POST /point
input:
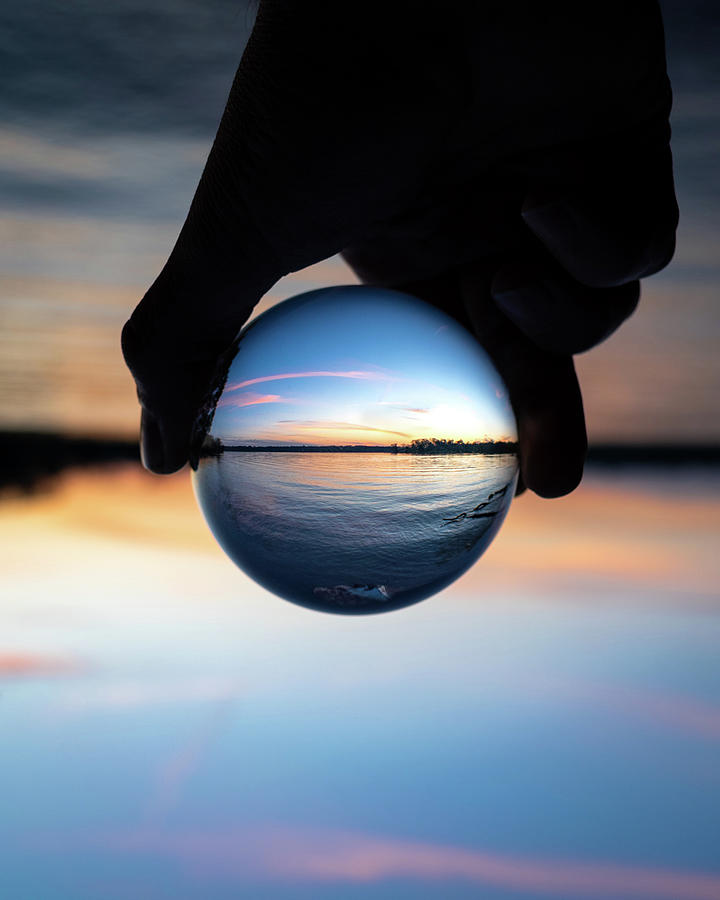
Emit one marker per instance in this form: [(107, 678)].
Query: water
[(547, 728), (355, 532)]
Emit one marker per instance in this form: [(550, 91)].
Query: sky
[(546, 728), (360, 366), (103, 138)]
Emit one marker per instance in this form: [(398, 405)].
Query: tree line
[(445, 445), (213, 446)]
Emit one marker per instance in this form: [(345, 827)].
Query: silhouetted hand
[(508, 162)]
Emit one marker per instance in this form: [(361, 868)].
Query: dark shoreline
[(30, 460), (214, 447), (359, 448)]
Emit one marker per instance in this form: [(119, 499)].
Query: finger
[(543, 389), (617, 222), (558, 313), (285, 185), (172, 343), (543, 386)]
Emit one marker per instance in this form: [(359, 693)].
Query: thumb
[(617, 223), (173, 340), (290, 180)]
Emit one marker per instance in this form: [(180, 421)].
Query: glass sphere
[(357, 452)]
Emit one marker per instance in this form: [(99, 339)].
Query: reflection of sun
[(451, 421)]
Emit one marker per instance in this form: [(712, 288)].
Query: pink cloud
[(359, 375), (249, 398), (337, 426), (315, 855), (675, 711), (179, 767), (399, 406), (18, 664)]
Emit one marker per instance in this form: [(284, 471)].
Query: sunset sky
[(97, 175), (361, 372)]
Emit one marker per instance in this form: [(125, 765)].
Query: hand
[(509, 163)]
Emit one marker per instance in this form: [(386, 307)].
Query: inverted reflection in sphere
[(357, 452)]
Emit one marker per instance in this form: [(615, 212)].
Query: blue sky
[(360, 366)]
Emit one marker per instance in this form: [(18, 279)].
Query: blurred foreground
[(547, 727)]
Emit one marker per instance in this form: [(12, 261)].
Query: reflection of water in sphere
[(357, 452)]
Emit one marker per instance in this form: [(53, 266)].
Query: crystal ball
[(357, 451)]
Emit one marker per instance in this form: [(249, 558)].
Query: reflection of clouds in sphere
[(358, 452)]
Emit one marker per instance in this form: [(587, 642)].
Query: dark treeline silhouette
[(213, 446), (442, 445), (29, 461)]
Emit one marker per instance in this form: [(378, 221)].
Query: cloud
[(320, 856), (684, 714), (27, 153), (401, 408), (179, 767), (358, 375), (249, 398), (139, 693), (337, 426), (19, 664)]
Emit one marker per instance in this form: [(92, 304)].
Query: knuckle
[(130, 344), (136, 341)]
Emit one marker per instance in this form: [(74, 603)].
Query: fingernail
[(152, 451), (540, 204), (524, 305), (542, 318), (554, 223), (547, 214)]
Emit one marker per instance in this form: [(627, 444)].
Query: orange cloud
[(322, 425), (249, 398), (359, 375), (16, 664), (316, 855)]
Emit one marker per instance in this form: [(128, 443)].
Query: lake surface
[(355, 532), (547, 728)]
